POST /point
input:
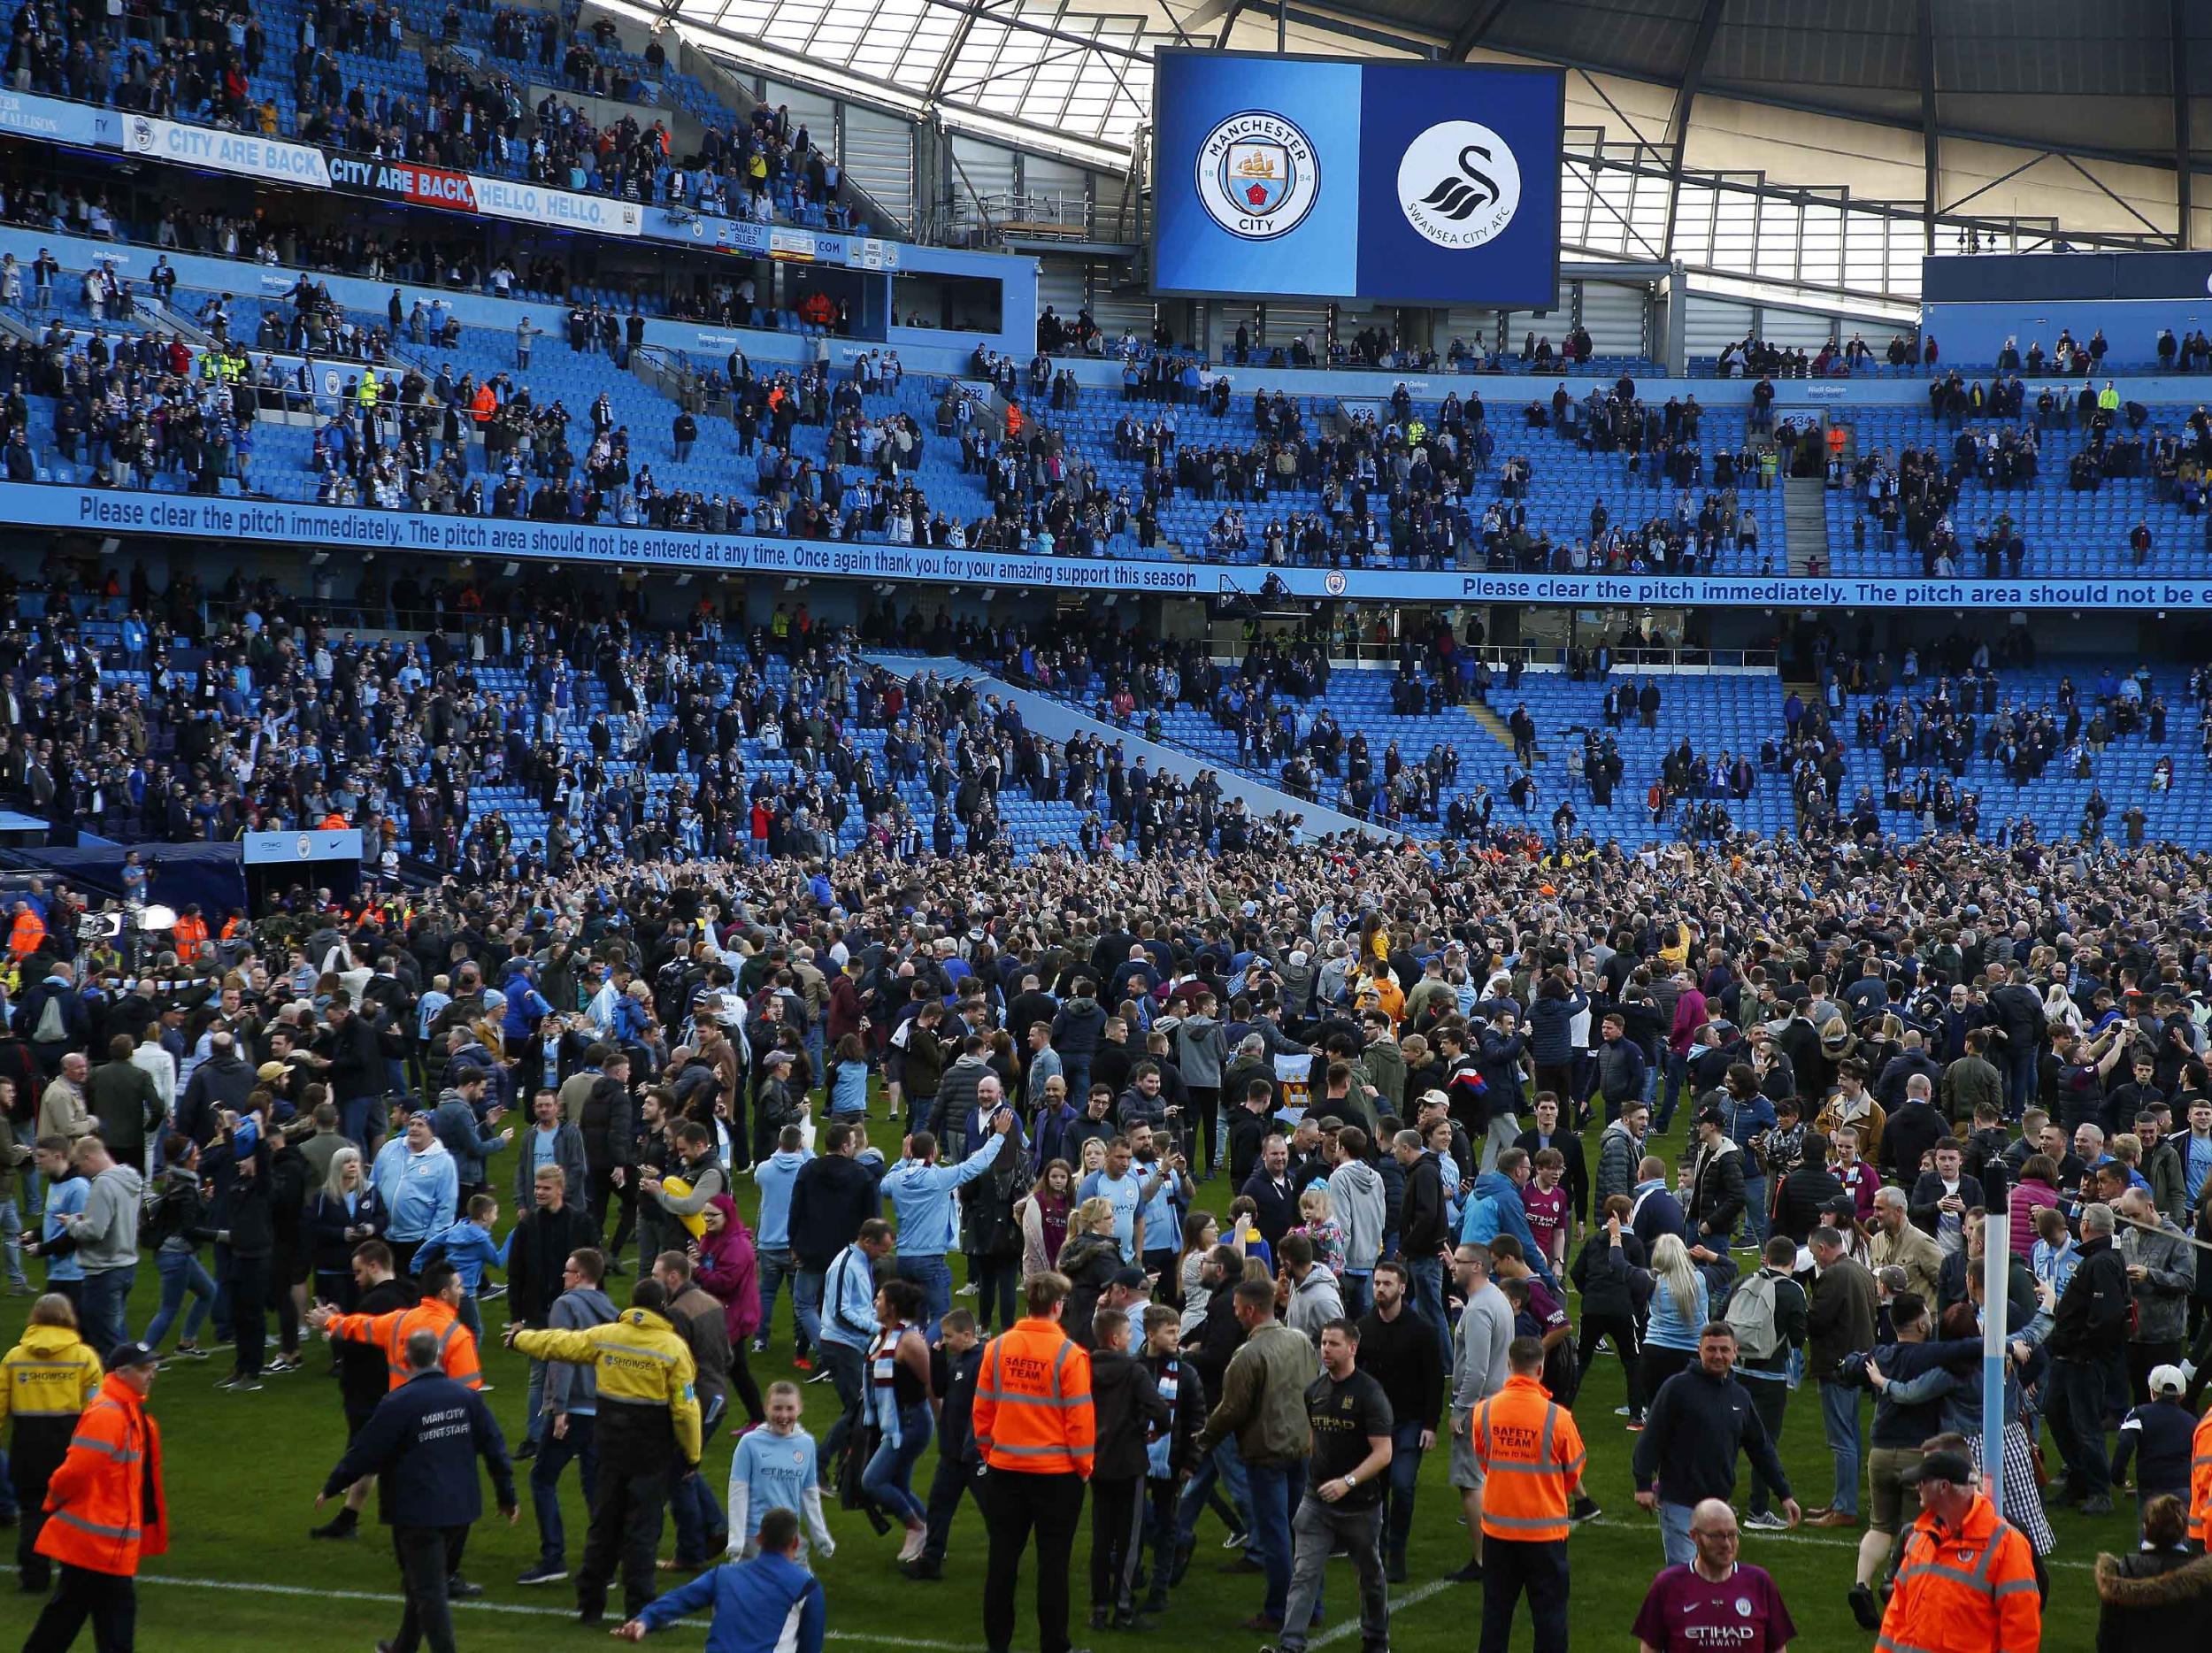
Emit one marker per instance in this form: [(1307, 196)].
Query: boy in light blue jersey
[(469, 1246), (776, 1467)]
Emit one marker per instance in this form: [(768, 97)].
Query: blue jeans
[(1220, 1467), (1428, 1299), (890, 1472), (1358, 1292), (1276, 1490), (776, 1265), (1405, 1472), (180, 1272), (1755, 1208), (1845, 1425), (1674, 1533), (1677, 1076), (806, 1306), (1077, 1071), (933, 1275), (10, 1225), (101, 1304), (697, 1512), (358, 1118), (533, 1425), (581, 1442)]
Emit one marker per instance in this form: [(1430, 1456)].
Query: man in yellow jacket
[(649, 1436), (46, 1381)]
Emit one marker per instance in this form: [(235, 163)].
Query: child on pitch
[(1167, 1448), (952, 1365), (776, 1467), (469, 1246)]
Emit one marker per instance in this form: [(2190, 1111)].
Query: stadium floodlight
[(511, 570), (320, 559), (156, 917), (990, 593)]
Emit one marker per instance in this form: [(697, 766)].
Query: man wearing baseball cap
[(105, 1512), (2157, 1435), (1964, 1568)]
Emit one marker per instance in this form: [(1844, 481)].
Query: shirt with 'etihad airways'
[(1686, 1612)]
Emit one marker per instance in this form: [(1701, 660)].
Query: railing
[(1227, 647), (994, 218), (671, 372)]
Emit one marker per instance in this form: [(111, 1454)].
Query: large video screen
[(1316, 178)]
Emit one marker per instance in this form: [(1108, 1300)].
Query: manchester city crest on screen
[(1257, 175)]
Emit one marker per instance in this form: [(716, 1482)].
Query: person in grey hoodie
[(105, 1235), (1357, 1194), (1314, 1299), (1201, 1047), (572, 1414), (1300, 974)]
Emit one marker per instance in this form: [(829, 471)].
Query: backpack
[(53, 1026), (1750, 1314)]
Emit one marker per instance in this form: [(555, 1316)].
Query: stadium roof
[(2115, 78), (2129, 79)]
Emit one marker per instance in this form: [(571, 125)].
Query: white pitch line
[(1345, 1628), (516, 1609)]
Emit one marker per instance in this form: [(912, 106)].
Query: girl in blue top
[(1680, 1304), (849, 1078)]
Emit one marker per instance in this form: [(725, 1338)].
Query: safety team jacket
[(104, 1507), (457, 1344), (2201, 1481), (1969, 1591), (46, 1381), (1033, 1401), (1531, 1453), (644, 1370)]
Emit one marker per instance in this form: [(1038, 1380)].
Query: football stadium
[(1034, 825)]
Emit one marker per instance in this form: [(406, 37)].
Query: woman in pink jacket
[(728, 1270), (2037, 1187)]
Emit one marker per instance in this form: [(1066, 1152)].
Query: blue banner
[(24, 115), (107, 510), (1404, 183)]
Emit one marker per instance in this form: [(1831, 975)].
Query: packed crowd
[(1387, 1052), (211, 64)]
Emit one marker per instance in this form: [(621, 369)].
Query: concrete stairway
[(1805, 523)]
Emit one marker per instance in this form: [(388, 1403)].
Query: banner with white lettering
[(61, 506), (404, 181), (244, 152), (51, 118)]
